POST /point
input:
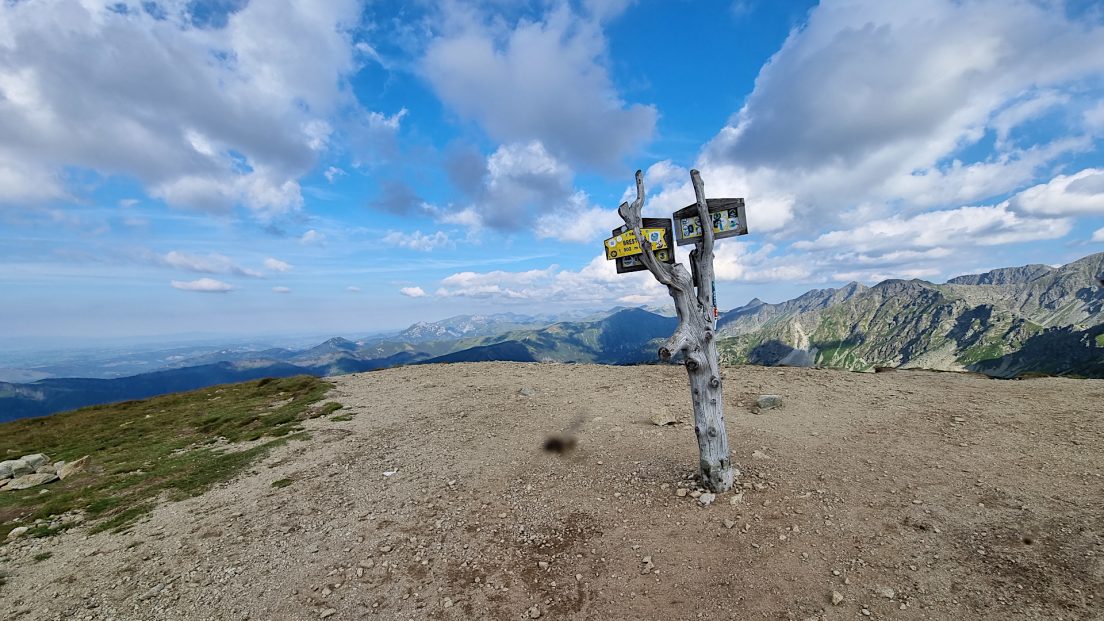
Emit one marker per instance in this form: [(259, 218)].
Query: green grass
[(176, 445), (282, 483), (1100, 340), (344, 418), (41, 556), (329, 408)]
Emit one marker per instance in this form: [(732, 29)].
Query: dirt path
[(912, 495)]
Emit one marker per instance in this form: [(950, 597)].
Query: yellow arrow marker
[(625, 244)]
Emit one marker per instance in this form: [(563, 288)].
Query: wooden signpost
[(694, 295)]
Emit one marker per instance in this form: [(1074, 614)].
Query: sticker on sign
[(625, 244)]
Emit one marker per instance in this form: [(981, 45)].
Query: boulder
[(47, 468), (73, 467), (6, 468), (769, 402), (20, 467), (36, 460), (30, 480)]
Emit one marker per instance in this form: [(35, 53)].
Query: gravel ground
[(903, 495)]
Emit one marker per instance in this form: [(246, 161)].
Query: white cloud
[(1098, 236), (312, 237), (596, 283), (579, 221), (277, 265), (213, 263), (418, 240), (413, 292), (205, 115), (352, 289), (542, 80), (867, 109), (203, 285), (964, 226), (1081, 193), (333, 172), (517, 184), (281, 290)]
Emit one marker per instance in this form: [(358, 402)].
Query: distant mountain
[(627, 336), (997, 322), (55, 395)]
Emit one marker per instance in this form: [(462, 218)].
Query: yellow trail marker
[(625, 244)]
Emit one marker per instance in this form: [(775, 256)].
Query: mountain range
[(1008, 322)]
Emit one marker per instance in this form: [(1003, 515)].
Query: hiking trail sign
[(694, 294)]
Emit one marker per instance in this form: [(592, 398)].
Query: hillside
[(979, 322), (912, 495)]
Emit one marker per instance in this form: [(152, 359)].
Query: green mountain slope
[(967, 324)]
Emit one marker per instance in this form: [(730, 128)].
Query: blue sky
[(238, 168)]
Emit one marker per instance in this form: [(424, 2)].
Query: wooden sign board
[(624, 243), (660, 246), (728, 218)]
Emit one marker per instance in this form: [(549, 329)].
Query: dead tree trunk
[(694, 337)]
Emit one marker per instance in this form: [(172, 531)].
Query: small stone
[(959, 419), (447, 603), (578, 577), (759, 455), (542, 564), (151, 593), (327, 613), (865, 612), (886, 592), (696, 493), (681, 492), (736, 498), (385, 549), (18, 531), (707, 499), (534, 612), (769, 402), (729, 524), (663, 418), (525, 391), (837, 598)]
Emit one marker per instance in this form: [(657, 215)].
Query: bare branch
[(704, 259)]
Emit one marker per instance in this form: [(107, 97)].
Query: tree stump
[(694, 337)]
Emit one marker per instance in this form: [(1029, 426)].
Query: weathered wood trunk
[(694, 337)]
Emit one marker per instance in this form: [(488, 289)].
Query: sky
[(236, 167)]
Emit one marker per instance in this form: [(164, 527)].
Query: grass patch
[(343, 418), (41, 556), (174, 444), (282, 483), (329, 408)]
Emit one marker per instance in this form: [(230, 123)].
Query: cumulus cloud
[(418, 240), (542, 80), (519, 186), (869, 108), (203, 285), (1081, 193), (1098, 236), (579, 221), (984, 225), (277, 265), (352, 289), (213, 263), (596, 283), (281, 290), (205, 114), (413, 292)]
